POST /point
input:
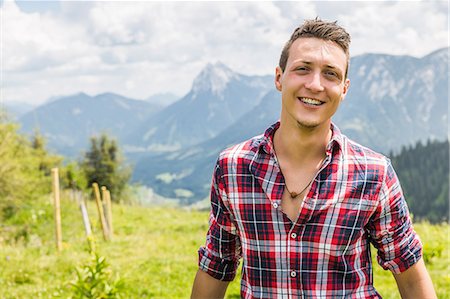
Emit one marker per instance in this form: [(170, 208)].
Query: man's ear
[(278, 75), (345, 89)]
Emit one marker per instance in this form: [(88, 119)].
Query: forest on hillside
[(423, 170)]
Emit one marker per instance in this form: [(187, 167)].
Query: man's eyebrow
[(301, 62), (308, 62), (330, 66), (335, 68)]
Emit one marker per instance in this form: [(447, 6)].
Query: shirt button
[(275, 205), (293, 235), (293, 274)]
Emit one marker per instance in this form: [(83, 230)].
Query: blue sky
[(138, 49)]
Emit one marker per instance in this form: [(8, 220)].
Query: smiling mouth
[(312, 102)]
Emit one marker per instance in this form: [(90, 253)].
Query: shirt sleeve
[(391, 230), (222, 251)]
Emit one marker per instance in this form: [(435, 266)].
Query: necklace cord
[(295, 194)]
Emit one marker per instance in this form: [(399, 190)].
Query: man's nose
[(315, 82)]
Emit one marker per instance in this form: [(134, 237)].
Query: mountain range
[(68, 122), (218, 98), (393, 101)]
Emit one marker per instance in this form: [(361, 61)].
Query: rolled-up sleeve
[(222, 251), (391, 230)]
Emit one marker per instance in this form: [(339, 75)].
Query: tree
[(23, 174), (103, 164), (45, 160), (424, 174), (73, 177)]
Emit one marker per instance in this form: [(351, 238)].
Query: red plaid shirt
[(355, 199)]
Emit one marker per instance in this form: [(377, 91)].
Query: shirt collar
[(337, 139), (266, 144)]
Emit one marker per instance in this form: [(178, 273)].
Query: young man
[(301, 203)]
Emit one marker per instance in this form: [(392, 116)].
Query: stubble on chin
[(305, 125)]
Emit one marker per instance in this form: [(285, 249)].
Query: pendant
[(294, 194)]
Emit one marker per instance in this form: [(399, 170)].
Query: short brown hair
[(318, 28)]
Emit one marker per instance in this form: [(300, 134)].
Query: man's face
[(313, 83)]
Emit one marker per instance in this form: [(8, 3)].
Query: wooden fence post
[(57, 208), (109, 212), (86, 222), (100, 211), (105, 205)]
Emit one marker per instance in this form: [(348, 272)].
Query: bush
[(24, 169)]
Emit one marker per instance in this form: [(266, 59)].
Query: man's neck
[(299, 145)]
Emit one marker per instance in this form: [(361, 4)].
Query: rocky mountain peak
[(439, 57), (213, 78)]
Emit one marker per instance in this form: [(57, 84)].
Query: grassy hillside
[(154, 252)]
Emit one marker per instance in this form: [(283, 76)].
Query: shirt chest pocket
[(342, 225)]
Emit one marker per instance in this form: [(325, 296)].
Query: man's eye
[(302, 68), (331, 74)]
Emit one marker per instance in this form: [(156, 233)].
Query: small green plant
[(95, 281)]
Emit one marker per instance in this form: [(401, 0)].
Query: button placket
[(292, 239)]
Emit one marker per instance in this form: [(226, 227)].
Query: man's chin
[(307, 125)]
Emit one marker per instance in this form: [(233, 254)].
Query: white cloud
[(141, 48), (32, 41), (402, 27), (116, 23)]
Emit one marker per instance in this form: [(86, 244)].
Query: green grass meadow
[(153, 253)]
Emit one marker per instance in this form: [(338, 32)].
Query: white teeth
[(310, 101)]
